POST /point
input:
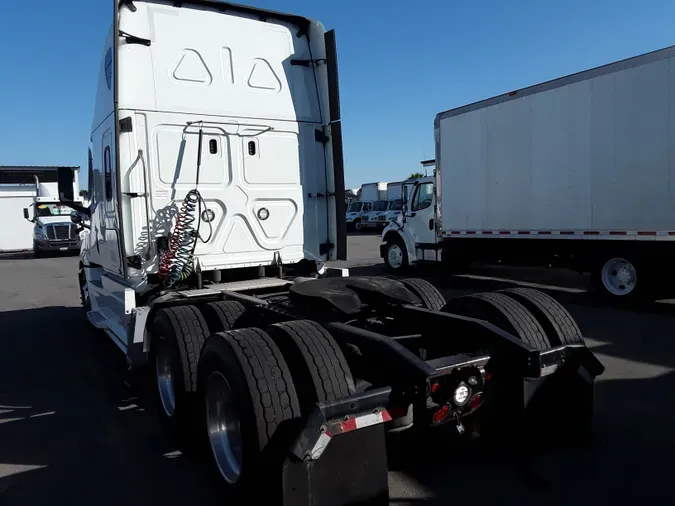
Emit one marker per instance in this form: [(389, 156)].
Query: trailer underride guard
[(286, 372)]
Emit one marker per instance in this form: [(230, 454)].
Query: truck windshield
[(396, 205), (355, 207), (43, 210), (380, 205)]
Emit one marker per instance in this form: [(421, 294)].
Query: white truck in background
[(577, 172), (31, 191), (374, 197)]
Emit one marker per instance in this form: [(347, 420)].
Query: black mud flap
[(553, 409), (340, 458), (559, 403)]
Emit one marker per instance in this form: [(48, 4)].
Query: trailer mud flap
[(340, 456)]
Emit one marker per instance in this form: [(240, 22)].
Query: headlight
[(461, 395), (39, 233)]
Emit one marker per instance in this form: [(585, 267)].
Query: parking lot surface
[(71, 432)]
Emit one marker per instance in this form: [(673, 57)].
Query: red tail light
[(440, 415), (476, 401)]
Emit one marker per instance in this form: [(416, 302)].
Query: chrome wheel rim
[(222, 424), (164, 372), (395, 256), (619, 276)]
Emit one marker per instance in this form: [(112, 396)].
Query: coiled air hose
[(177, 264)]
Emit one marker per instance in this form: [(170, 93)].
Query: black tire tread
[(430, 296), (503, 312), (190, 331), (221, 316), (321, 356), (268, 378), (524, 323), (562, 329)]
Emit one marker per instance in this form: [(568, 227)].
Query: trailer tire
[(430, 296), (223, 315), (503, 312), (560, 327), (249, 396), (177, 338), (318, 366)]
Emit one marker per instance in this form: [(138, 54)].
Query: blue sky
[(399, 66)]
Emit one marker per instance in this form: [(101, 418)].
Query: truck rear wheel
[(222, 315), (430, 296), (618, 278), (248, 393), (503, 312), (178, 336), (560, 327), (318, 366)]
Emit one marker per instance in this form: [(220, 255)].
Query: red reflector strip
[(616, 232), (470, 232), (591, 232), (454, 232), (567, 232), (487, 232), (544, 232), (642, 232), (671, 233), (363, 421), (523, 232), (504, 232)]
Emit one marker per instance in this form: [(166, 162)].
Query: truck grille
[(59, 232), (381, 218)]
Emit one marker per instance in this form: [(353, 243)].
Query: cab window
[(367, 206), (424, 196)]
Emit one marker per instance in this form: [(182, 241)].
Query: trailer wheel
[(222, 315), (248, 394), (560, 327), (177, 338), (503, 312), (318, 366), (430, 296), (396, 255)]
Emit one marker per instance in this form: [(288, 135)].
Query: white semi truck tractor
[(217, 198)]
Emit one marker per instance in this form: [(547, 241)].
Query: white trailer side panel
[(16, 233), (597, 154)]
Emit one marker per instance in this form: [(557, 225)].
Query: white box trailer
[(16, 234), (371, 192), (394, 190), (577, 171)]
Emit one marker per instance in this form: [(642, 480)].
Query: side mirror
[(25, 214), (76, 218)]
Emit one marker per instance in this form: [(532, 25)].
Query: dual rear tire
[(236, 393)]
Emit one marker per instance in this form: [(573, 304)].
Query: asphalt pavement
[(72, 432)]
